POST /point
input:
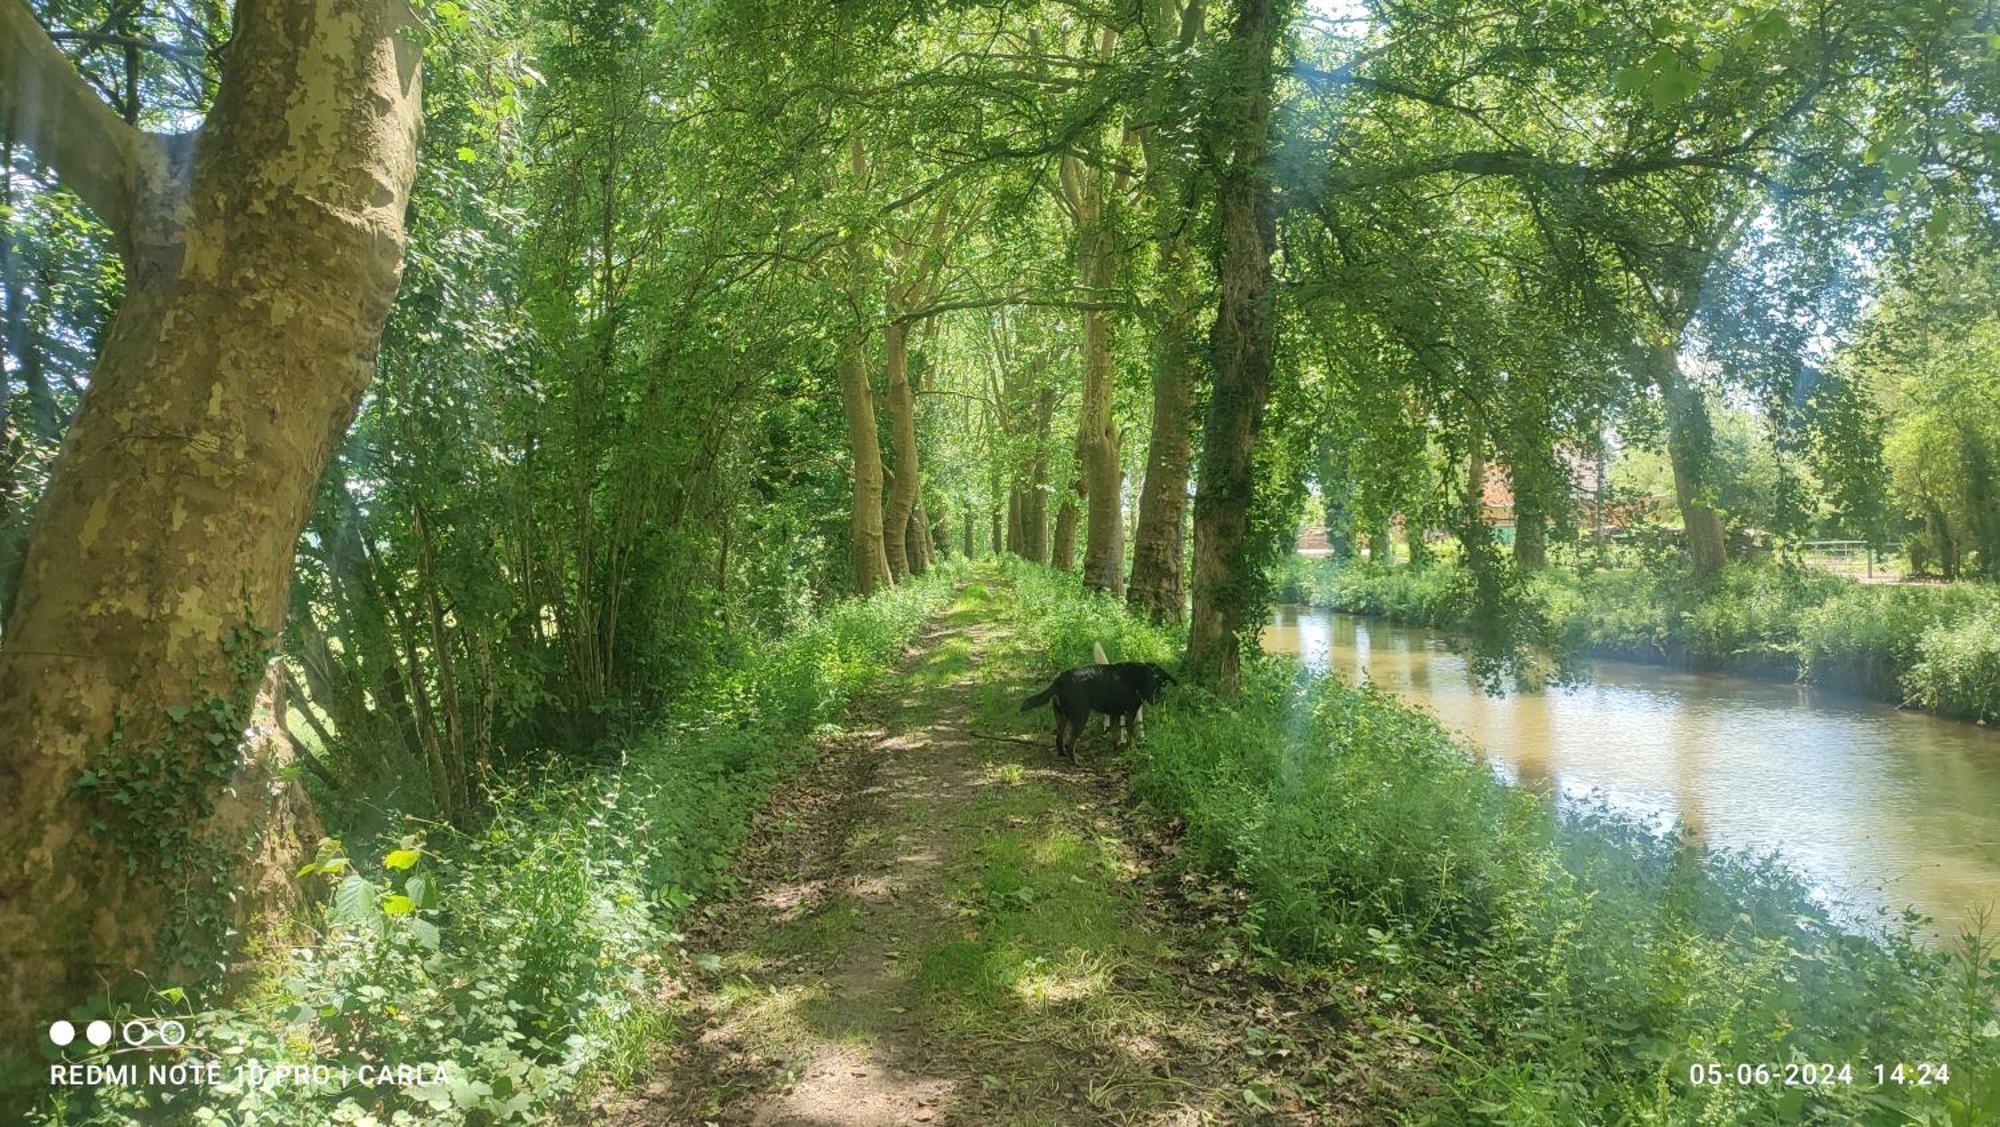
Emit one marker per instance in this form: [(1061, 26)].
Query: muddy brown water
[(1874, 806)]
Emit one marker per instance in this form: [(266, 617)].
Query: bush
[(1561, 968), (1929, 646), (517, 956), (1959, 672)]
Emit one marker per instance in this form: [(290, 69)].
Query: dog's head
[(1153, 680)]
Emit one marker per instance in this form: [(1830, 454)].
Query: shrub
[(516, 956), (1928, 646), (1564, 968), (1959, 671)]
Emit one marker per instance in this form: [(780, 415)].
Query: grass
[(1550, 970), (1936, 648), (1345, 867), (526, 954), (1001, 928)]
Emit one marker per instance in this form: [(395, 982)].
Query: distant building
[(1313, 541)]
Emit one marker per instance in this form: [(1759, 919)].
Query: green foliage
[(1959, 670), (1931, 646), (153, 799), (514, 954), (1552, 968)]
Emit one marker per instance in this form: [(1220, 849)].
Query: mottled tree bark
[(1159, 542), (1242, 344), (1159, 545), (868, 548), (1062, 545), (1097, 429), (857, 400), (262, 254), (1689, 440)]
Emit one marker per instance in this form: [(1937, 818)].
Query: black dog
[(1117, 691)]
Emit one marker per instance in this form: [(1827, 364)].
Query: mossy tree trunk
[(1242, 343), (1689, 444), (262, 252)]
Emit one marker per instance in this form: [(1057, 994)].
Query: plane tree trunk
[(868, 548), (262, 253), (1242, 343), (1689, 442), (857, 400), (1159, 543)]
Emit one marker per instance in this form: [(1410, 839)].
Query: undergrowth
[(1545, 969), (1937, 648), (500, 967)]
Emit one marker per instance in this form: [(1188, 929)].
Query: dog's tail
[(1097, 653), (1039, 699)]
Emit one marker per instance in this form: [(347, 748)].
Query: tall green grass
[(518, 957), (1536, 968), (1933, 647)]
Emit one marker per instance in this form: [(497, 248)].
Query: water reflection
[(1877, 805)]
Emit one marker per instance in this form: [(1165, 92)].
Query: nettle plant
[(364, 904)]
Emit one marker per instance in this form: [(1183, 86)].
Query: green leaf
[(466, 155), (421, 889), (425, 931), (397, 904), (354, 904), (402, 859)]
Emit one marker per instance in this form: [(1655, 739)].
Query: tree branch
[(94, 153)]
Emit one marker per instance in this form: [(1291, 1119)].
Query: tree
[(1243, 341), (262, 252), (1159, 544)]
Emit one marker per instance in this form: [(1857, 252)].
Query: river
[(1875, 806)]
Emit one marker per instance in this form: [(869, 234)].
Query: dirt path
[(937, 927)]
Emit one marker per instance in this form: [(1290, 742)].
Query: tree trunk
[(1688, 445), (902, 405), (262, 254), (1418, 548), (1097, 439), (1531, 532), (1062, 547), (870, 547), (1242, 344), (1159, 546), (917, 536), (867, 545), (1474, 514)]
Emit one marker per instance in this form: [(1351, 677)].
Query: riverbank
[(1305, 904), (1935, 648), (1544, 970)]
